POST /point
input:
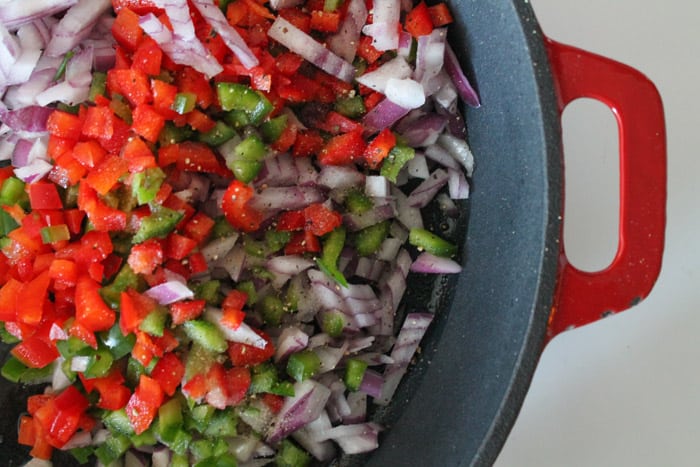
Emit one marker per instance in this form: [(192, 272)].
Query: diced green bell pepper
[(12, 192), (303, 365), (117, 343), (98, 85), (217, 135), (333, 244), (272, 129), (145, 184), (154, 322), (290, 455), (54, 233), (352, 107), (158, 224), (369, 239), (272, 309), (425, 240), (222, 425), (169, 420), (397, 158), (118, 422), (184, 102), (235, 96), (206, 334), (354, 372), (246, 160), (333, 322)]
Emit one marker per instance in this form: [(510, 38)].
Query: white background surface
[(625, 391)]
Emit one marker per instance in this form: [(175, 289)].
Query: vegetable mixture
[(209, 212)]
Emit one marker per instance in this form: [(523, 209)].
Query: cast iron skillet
[(457, 404)]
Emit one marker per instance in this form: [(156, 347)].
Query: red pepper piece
[(144, 403), (342, 149), (168, 372), (236, 209)]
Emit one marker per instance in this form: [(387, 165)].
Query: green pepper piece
[(352, 107), (126, 278), (217, 135), (169, 420), (283, 388), (272, 309), (369, 239), (272, 129), (171, 134), (290, 455), (206, 334), (333, 322), (154, 322), (303, 365), (6, 337), (98, 85), (397, 158), (199, 417), (69, 348), (249, 288), (263, 378), (159, 224), (222, 425), (333, 245), (222, 228), (82, 455), (354, 372), (112, 449), (117, 343), (145, 184), (12, 192), (184, 102), (118, 422), (428, 241), (237, 118), (357, 202), (235, 96), (246, 160), (276, 240), (199, 360), (61, 70), (180, 460), (54, 233), (121, 108), (13, 370), (7, 223), (209, 291), (147, 438), (134, 370), (100, 362)]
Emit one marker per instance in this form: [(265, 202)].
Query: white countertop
[(625, 391)]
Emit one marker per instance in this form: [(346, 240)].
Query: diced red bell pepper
[(43, 195), (144, 403), (132, 84), (66, 171), (308, 143), (120, 135), (287, 138), (168, 372), (140, 7), (144, 349), (289, 221), (147, 122), (99, 122), (196, 387), (147, 57), (325, 21), (367, 51), (297, 17), (60, 417), (134, 308), (379, 148), (186, 310), (199, 227), (64, 125), (103, 218), (90, 309), (26, 433), (440, 14), (273, 401), (418, 21), (197, 263), (191, 156), (190, 80), (64, 272), (31, 299), (235, 299), (178, 246), (107, 174), (89, 153), (320, 220), (139, 156), (237, 381), (200, 121), (163, 98), (302, 242), (126, 29), (35, 352), (343, 149), (247, 355), (336, 123), (236, 209), (146, 256), (232, 317), (113, 394), (8, 299)]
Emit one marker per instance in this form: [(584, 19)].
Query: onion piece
[(457, 184), (75, 25), (213, 15), (384, 28), (406, 92), (292, 339), (289, 264), (429, 263), (396, 68), (15, 13), (459, 149), (430, 55), (344, 42), (169, 292), (243, 334), (301, 43), (410, 335), (464, 87), (306, 405), (30, 119), (428, 188), (383, 115)]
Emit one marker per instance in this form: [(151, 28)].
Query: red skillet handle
[(583, 297)]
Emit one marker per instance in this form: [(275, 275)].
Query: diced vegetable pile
[(209, 213)]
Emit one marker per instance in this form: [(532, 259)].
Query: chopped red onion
[(219, 247), (161, 457), (340, 177), (280, 4), (447, 205), (384, 209), (459, 149), (273, 199), (457, 184), (377, 186), (312, 438), (454, 70), (307, 172), (356, 439), (31, 119), (15, 13), (330, 356), (289, 264), (234, 262), (301, 43), (405, 92), (75, 25), (441, 156), (79, 364), (410, 335), (33, 172), (20, 156), (429, 263), (59, 380), (24, 95), (396, 68), (424, 130), (408, 215), (430, 56), (306, 405), (344, 42), (215, 17), (10, 50), (428, 188), (384, 29), (418, 166), (383, 115), (170, 292), (372, 383), (133, 458), (292, 339)]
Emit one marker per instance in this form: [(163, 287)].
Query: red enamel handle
[(583, 297)]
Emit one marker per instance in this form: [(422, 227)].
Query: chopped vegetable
[(209, 217)]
